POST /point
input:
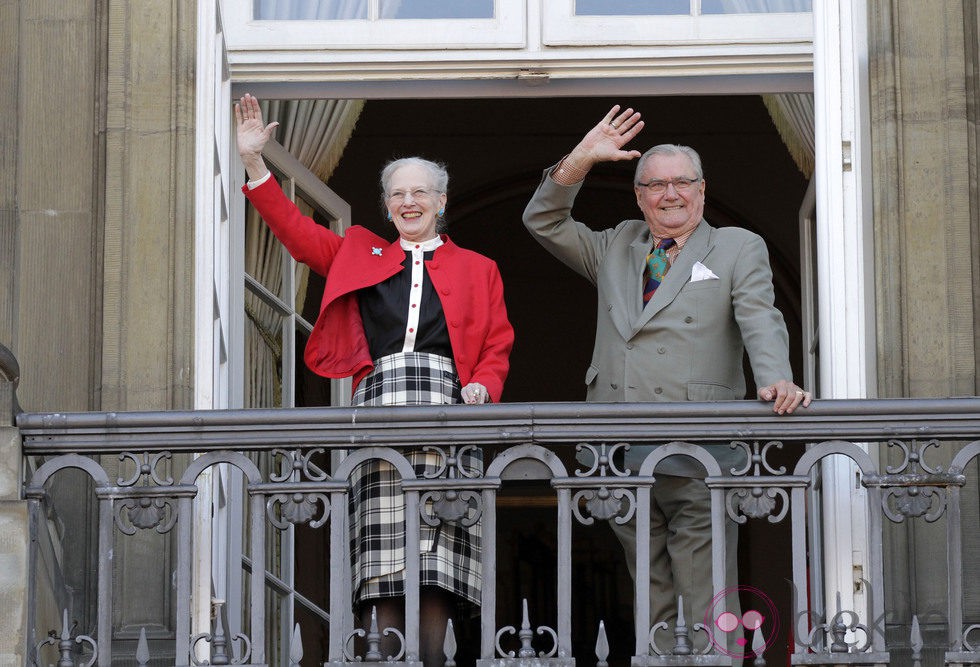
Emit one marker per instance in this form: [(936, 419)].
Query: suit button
[(658, 390), (688, 319), (614, 386), (446, 291), (661, 350)]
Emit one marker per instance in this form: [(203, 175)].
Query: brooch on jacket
[(376, 251)]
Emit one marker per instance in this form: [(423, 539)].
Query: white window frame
[(212, 312), (507, 29), (282, 59), (845, 277), (764, 30)]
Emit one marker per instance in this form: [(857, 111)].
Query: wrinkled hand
[(785, 396), (605, 141), (252, 133), (474, 393)]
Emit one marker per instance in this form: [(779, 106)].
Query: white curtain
[(792, 114), (754, 6), (316, 133), (389, 8), (310, 9)]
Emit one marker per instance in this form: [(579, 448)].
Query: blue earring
[(442, 212), (389, 216)]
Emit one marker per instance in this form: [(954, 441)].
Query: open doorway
[(495, 151)]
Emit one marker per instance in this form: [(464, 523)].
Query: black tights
[(436, 607)]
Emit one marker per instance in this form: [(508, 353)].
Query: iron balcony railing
[(311, 452)]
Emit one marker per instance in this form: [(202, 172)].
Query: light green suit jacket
[(686, 344)]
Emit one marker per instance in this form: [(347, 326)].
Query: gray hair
[(437, 175), (670, 149), (437, 172)]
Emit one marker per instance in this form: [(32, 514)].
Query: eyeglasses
[(418, 194), (658, 187)]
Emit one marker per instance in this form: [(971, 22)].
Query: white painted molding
[(844, 274)]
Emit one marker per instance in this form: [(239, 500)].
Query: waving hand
[(252, 135)]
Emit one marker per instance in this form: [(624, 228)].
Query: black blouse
[(387, 306)]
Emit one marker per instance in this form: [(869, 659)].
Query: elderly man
[(678, 301)]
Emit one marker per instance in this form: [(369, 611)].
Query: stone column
[(148, 289), (14, 535), (147, 345), (924, 225), (923, 79)]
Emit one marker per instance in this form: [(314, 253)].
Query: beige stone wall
[(96, 247), (147, 316), (971, 24), (925, 222), (56, 229), (923, 66), (14, 535), (9, 38), (13, 569), (96, 201)]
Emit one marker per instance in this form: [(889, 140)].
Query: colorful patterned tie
[(655, 269)]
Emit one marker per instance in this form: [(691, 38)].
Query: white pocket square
[(701, 272)]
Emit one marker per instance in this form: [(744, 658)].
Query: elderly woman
[(417, 321)]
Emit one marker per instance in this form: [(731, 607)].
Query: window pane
[(336, 10), (631, 7), (753, 6), (437, 9), (310, 10)]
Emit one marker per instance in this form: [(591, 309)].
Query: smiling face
[(413, 203), (671, 213)]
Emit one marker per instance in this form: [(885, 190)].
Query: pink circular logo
[(732, 634)]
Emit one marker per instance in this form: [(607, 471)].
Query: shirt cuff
[(565, 174), (259, 181)]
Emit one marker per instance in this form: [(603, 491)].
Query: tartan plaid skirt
[(450, 553)]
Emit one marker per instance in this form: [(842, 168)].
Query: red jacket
[(467, 283)]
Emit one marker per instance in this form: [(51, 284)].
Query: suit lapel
[(696, 249)]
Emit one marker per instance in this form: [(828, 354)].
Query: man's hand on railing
[(785, 396)]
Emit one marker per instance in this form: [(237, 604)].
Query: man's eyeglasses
[(419, 194), (658, 187)]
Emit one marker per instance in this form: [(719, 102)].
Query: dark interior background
[(495, 151)]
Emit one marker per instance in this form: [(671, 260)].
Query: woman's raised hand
[(252, 135)]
